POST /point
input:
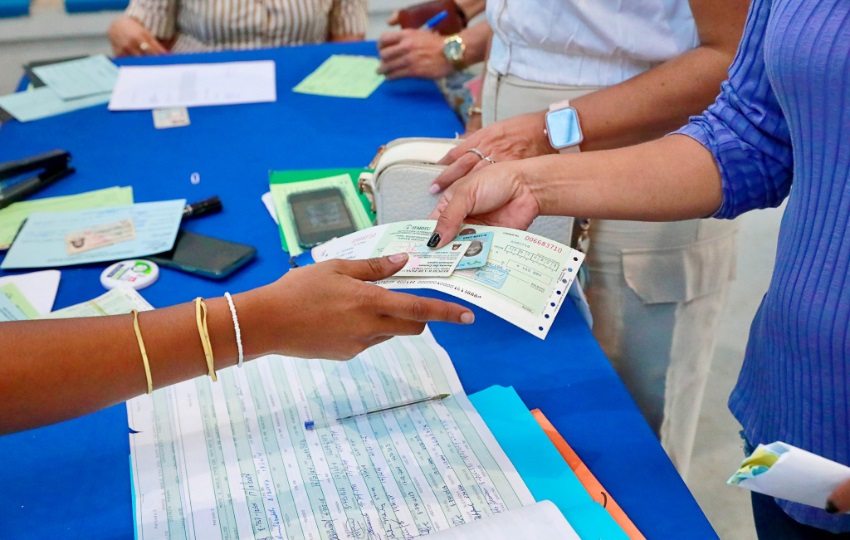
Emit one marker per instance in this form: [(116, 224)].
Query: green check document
[(233, 459), (343, 75), (524, 280)]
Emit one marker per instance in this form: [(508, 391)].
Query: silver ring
[(477, 152), (489, 159), (144, 46)]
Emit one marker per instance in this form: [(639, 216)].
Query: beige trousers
[(656, 291)]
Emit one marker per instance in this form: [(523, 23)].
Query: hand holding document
[(787, 472), (524, 279)]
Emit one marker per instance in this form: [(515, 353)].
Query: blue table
[(72, 480)]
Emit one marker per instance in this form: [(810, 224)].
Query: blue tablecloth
[(72, 480)]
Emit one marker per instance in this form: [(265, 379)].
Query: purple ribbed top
[(783, 117)]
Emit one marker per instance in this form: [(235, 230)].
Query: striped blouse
[(205, 25)]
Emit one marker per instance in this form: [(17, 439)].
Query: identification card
[(100, 236), (427, 262), (170, 118), (475, 255)]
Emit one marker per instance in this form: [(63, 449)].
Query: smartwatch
[(563, 128), (453, 49)]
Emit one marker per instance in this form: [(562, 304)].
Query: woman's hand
[(839, 501), (130, 38), (496, 195), (519, 137), (413, 53), (327, 310)]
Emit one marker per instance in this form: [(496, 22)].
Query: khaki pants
[(656, 291)]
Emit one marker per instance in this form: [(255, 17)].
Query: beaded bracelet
[(236, 328)]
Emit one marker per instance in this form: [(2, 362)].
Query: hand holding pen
[(414, 52)]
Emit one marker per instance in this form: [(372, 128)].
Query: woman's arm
[(52, 370), (640, 109)]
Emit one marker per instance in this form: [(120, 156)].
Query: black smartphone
[(205, 256), (319, 216)]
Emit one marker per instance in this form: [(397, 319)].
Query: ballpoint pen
[(313, 424), (434, 21), (201, 208)]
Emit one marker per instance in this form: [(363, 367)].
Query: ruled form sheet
[(233, 459)]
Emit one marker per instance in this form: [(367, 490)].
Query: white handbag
[(403, 172)]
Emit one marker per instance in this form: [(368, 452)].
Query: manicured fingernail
[(434, 189), (467, 318), (434, 240), (398, 257), (831, 508)]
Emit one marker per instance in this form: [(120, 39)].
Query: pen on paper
[(434, 21), (313, 424)]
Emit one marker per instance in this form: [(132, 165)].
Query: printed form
[(233, 459), (524, 281)]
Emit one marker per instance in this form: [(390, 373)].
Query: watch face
[(453, 50), (563, 128)]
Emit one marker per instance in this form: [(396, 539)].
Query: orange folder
[(590, 483)]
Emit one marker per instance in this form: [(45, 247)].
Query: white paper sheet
[(540, 520), (39, 287), (193, 85), (118, 301), (787, 472), (233, 460)]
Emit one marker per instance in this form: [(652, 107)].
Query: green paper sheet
[(13, 216), (343, 75), (14, 294)]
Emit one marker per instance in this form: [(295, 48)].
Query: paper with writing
[(524, 281), (42, 241), (39, 288), (79, 78), (193, 85), (9, 311), (43, 102), (427, 262), (99, 236), (117, 301), (234, 460), (13, 216), (19, 299), (343, 75)]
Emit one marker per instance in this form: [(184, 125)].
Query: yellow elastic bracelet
[(142, 349), (201, 316)]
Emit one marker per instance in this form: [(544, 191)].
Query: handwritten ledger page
[(233, 460)]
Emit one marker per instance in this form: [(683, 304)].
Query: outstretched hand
[(328, 310), (519, 137), (496, 195)]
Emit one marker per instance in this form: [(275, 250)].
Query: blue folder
[(538, 462)]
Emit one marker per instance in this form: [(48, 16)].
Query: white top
[(587, 42)]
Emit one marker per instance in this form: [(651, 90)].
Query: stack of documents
[(28, 296), (51, 239), (519, 276), (234, 459), (71, 85)]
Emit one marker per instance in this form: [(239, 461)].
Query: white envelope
[(787, 472)]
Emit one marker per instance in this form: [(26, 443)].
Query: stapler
[(53, 166)]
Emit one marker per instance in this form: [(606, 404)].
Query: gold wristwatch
[(453, 49)]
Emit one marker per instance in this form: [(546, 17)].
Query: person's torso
[(243, 24), (795, 384), (587, 43)]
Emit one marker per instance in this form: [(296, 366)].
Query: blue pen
[(435, 20)]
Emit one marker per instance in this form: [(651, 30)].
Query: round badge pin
[(135, 273)]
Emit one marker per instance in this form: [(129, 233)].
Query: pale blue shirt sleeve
[(746, 130)]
